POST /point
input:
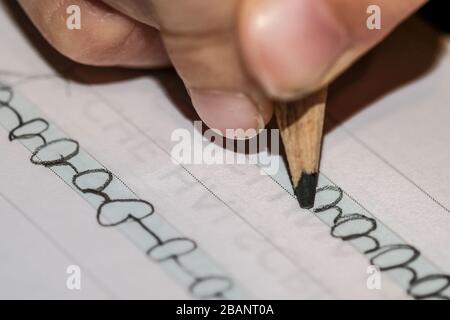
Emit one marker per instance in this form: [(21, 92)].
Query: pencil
[(301, 128)]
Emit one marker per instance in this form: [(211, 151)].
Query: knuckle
[(97, 42)]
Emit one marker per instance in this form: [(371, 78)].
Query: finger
[(106, 37), (201, 40), (294, 47)]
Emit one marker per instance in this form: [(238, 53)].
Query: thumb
[(294, 47)]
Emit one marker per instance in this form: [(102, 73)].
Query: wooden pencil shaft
[(301, 125)]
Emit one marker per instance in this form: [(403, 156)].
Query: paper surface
[(218, 231)]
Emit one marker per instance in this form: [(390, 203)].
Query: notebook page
[(248, 237)]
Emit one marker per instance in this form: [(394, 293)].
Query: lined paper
[(387, 160)]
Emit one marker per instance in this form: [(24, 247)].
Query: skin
[(234, 56)]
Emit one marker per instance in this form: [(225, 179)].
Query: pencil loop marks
[(65, 157), (363, 231)]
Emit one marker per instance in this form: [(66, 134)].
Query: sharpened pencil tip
[(305, 191)]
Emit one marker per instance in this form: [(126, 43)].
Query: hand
[(234, 56)]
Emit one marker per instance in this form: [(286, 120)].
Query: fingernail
[(289, 45), (226, 112)]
